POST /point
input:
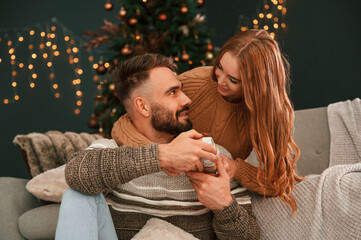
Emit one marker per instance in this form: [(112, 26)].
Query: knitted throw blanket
[(329, 205)]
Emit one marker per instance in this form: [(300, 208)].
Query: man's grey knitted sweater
[(136, 190)]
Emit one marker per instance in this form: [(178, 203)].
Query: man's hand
[(212, 191), (231, 166), (184, 152)]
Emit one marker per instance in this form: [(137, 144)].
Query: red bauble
[(184, 9), (133, 21), (200, 3), (92, 122), (162, 17), (126, 50), (108, 6), (101, 69), (209, 47), (185, 56)]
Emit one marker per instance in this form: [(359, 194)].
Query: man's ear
[(142, 106)]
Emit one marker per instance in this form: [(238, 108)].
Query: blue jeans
[(84, 217)]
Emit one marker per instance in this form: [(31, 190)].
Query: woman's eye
[(219, 66), (233, 81)]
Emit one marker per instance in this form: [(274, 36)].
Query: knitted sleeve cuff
[(227, 213), (150, 156)]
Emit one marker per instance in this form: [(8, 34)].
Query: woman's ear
[(142, 106)]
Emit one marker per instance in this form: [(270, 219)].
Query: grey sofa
[(22, 216)]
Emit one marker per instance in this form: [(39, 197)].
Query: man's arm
[(230, 220), (100, 169), (104, 165)]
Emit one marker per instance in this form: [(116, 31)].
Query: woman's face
[(228, 78)]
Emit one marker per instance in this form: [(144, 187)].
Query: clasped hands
[(183, 155)]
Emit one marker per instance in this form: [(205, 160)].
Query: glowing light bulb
[(16, 97), (42, 46), (52, 35), (9, 43), (68, 51), (13, 57), (77, 111), (56, 53), (31, 66), (255, 21), (1, 60), (283, 25), (106, 64), (275, 26), (57, 95), (261, 15), (265, 27), (31, 46), (48, 43), (79, 93), (95, 65), (66, 38), (137, 37), (269, 15), (6, 101), (243, 29), (34, 75), (32, 32), (51, 75), (14, 73), (275, 19), (21, 65), (96, 78), (279, 7), (91, 58), (11, 50), (255, 26), (272, 35), (266, 6), (42, 34), (34, 55), (54, 47), (75, 49), (49, 64), (176, 59), (53, 28), (14, 84), (190, 62), (45, 55), (55, 86), (80, 71), (76, 60), (78, 103), (32, 85), (21, 39)]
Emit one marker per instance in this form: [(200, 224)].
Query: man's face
[(169, 105)]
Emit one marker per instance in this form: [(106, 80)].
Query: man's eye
[(172, 92)]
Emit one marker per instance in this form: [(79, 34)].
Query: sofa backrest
[(312, 135)]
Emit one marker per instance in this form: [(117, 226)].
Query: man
[(135, 189)]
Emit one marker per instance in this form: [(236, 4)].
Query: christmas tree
[(174, 28)]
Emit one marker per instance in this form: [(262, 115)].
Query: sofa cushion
[(42, 152), (39, 223), (49, 185)]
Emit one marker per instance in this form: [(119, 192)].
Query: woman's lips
[(222, 89)]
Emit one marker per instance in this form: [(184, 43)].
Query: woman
[(242, 103)]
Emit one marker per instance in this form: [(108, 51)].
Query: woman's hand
[(231, 166), (213, 191)]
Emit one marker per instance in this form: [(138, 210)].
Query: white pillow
[(157, 229), (49, 185)]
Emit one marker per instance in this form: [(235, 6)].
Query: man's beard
[(163, 120)]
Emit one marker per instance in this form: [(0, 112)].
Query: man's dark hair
[(135, 71)]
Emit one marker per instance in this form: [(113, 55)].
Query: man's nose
[(185, 100)]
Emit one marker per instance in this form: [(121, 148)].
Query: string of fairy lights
[(270, 17), (42, 42)]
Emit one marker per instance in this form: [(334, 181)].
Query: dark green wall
[(322, 43)]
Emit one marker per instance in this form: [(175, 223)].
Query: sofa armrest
[(14, 201)]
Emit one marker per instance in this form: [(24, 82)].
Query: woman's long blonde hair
[(268, 113)]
